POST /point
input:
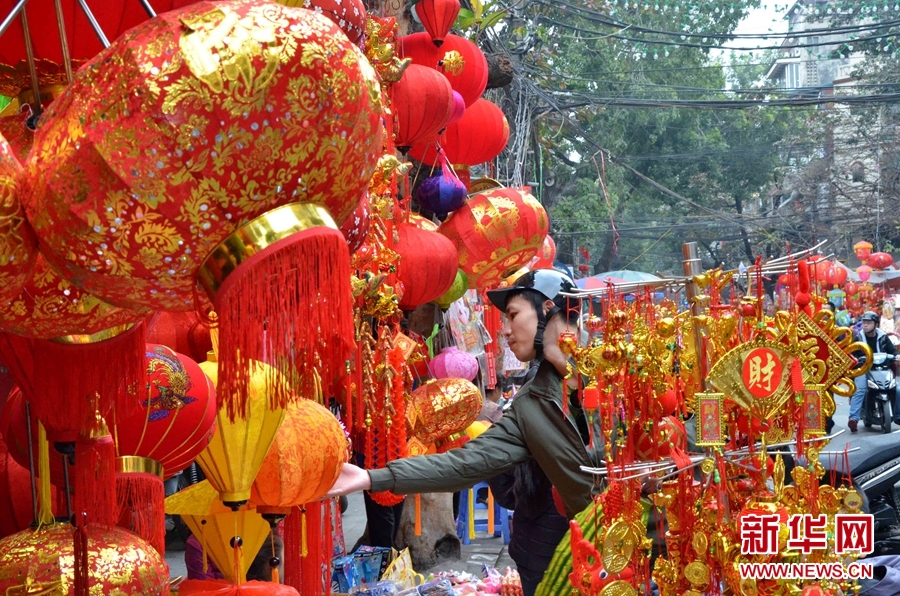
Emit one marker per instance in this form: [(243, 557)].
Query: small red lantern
[(864, 272), (459, 59), (784, 279), (437, 17), (356, 228), (427, 267), (818, 265), (851, 288), (862, 249), (546, 255), (854, 305), (181, 332), (443, 407), (835, 275), (422, 103), (496, 233), (880, 260)]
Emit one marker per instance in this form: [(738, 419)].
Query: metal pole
[(34, 503), (63, 41), (32, 68), (148, 8), (65, 462), (12, 15), (692, 265), (94, 24)]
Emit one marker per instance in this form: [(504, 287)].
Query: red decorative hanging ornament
[(496, 233), (182, 332), (427, 266), (349, 15), (835, 275), (479, 136), (862, 249), (851, 288), (546, 256), (422, 103), (864, 272), (356, 227), (880, 260), (437, 17), (460, 60)]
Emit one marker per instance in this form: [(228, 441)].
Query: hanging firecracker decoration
[(437, 17), (422, 103), (496, 233), (427, 266), (18, 245), (460, 60)]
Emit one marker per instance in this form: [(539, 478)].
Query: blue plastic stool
[(501, 516)]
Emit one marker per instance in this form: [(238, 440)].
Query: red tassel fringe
[(307, 574), (293, 546), (81, 581), (290, 306), (60, 394), (95, 481), (141, 507)]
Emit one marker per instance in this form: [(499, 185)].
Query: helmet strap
[(539, 334)]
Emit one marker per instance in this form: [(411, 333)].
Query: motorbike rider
[(879, 342)]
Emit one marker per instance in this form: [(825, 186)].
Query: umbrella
[(598, 281), (629, 276)]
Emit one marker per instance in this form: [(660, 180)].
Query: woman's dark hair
[(568, 306), (532, 487)]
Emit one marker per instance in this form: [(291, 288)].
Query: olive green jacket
[(534, 426)]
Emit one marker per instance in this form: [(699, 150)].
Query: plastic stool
[(501, 516)]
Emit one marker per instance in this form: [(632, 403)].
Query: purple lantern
[(441, 194), (453, 363)]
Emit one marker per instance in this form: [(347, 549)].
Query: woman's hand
[(351, 480)]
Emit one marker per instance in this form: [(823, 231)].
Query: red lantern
[(818, 265), (427, 267), (546, 256), (437, 17), (835, 275), (16, 510), (880, 260), (784, 279), (496, 233), (18, 245), (479, 136), (422, 104), (443, 407), (864, 272), (862, 249), (466, 69), (854, 305), (177, 417), (182, 332), (349, 15), (851, 288), (15, 435)]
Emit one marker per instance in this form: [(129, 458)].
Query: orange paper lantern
[(303, 462), (496, 233), (443, 407)]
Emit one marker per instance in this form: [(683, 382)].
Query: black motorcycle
[(881, 388)]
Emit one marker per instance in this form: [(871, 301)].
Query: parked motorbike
[(880, 393)]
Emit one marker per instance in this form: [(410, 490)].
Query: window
[(792, 75)]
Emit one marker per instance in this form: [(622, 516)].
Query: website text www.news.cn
[(799, 571)]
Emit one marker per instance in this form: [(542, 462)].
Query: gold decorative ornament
[(619, 588), (697, 573), (619, 544)]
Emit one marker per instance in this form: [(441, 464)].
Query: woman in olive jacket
[(536, 426)]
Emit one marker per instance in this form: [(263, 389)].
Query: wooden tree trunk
[(438, 540)]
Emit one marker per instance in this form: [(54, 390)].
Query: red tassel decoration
[(312, 565), (81, 572), (328, 544), (289, 305), (141, 509), (293, 546), (78, 372), (95, 479), (305, 555)]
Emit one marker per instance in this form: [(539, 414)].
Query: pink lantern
[(454, 363), (864, 272), (880, 260)]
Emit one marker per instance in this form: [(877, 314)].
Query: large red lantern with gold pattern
[(349, 15), (427, 266), (460, 60), (443, 407), (303, 462), (496, 233), (118, 562), (131, 205), (835, 275), (18, 245), (422, 102)]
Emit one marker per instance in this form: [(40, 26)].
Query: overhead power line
[(735, 104)]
